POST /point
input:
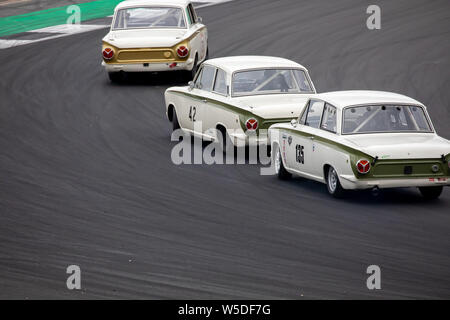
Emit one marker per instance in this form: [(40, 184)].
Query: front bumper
[(147, 67), (351, 182)]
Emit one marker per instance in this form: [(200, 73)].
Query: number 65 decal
[(192, 113)]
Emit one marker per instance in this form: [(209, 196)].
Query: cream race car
[(154, 35), (239, 97), (363, 140)]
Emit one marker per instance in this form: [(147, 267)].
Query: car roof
[(342, 99), (143, 3), (232, 64)]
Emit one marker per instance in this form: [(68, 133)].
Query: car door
[(214, 112), (301, 145), (321, 151), (197, 113), (199, 40)]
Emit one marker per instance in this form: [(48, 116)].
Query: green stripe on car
[(384, 168)]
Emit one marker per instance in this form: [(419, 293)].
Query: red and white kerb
[(363, 166), (108, 53), (251, 124)]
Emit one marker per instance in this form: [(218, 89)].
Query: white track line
[(59, 31)]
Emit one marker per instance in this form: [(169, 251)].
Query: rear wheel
[(333, 185), (115, 76), (431, 193), (191, 74), (280, 170)]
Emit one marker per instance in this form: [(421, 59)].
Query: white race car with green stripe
[(363, 140), (239, 96)]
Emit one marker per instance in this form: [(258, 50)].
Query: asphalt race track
[(86, 176)]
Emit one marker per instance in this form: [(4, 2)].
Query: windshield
[(385, 118), (270, 81), (149, 17)]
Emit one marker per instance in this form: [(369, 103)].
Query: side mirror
[(199, 20), (191, 85), (294, 122)]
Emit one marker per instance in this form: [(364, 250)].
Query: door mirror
[(294, 122), (191, 85), (199, 20)]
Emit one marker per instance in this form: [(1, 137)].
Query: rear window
[(149, 17), (385, 118)]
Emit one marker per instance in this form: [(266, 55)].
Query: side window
[(305, 112), (198, 76), (220, 85), (329, 118), (314, 113), (189, 16), (206, 78), (193, 13)]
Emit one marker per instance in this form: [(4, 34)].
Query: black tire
[(225, 143), (191, 74), (175, 123), (280, 170), (115, 77), (431, 193), (333, 184)]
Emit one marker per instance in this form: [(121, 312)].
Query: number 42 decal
[(299, 154), (192, 113)]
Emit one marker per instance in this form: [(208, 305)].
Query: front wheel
[(280, 170), (175, 123), (431, 193), (333, 185)]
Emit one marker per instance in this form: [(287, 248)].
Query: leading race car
[(239, 96), (154, 35), (361, 140)]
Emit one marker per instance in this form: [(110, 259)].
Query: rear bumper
[(242, 139), (148, 67), (351, 182)]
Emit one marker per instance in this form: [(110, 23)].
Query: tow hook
[(375, 191)]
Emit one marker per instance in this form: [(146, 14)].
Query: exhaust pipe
[(375, 191)]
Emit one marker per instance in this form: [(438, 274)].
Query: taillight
[(363, 166), (182, 51), (108, 53), (251, 124)]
